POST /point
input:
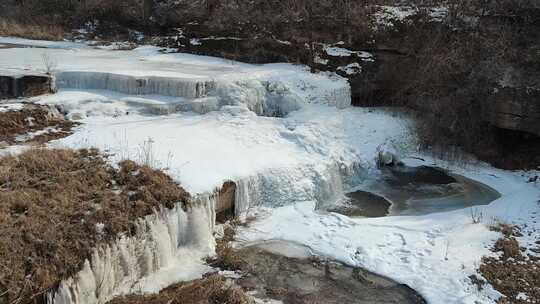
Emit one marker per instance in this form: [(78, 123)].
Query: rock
[(226, 202), (13, 85), (387, 158), (516, 109)]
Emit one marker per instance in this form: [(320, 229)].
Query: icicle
[(167, 239), (149, 85), (277, 187)]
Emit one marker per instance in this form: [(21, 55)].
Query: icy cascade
[(262, 97), (278, 187), (274, 98), (128, 84), (168, 247)]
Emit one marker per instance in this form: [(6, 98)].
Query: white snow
[(351, 69), (343, 52), (11, 106), (204, 151), (387, 15)]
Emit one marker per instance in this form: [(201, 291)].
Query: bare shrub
[(476, 215), (49, 63)]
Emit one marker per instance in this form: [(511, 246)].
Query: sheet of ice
[(434, 254)]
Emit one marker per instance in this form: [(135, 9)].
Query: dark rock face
[(13, 86), (517, 109), (226, 202)]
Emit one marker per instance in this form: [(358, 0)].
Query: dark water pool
[(403, 190)]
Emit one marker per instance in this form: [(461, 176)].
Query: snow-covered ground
[(311, 153), (434, 254)]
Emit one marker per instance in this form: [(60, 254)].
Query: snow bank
[(169, 246)]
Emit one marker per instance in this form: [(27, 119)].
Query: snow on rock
[(296, 154), (387, 15), (272, 89), (351, 69), (343, 52), (169, 246)]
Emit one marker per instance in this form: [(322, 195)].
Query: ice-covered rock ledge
[(313, 153), (169, 246), (181, 82)]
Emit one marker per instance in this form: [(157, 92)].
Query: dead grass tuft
[(32, 119), (513, 273), (214, 289), (226, 257), (50, 204)]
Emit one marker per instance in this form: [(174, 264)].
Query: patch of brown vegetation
[(28, 30), (31, 119), (50, 204), (514, 272), (226, 257), (213, 289)]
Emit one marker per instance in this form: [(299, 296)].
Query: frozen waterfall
[(280, 187), (274, 98), (129, 84), (168, 247)]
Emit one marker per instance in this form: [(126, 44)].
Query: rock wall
[(516, 109), (14, 86)]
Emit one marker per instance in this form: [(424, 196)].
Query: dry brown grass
[(213, 289), (50, 203), (31, 31), (31, 119), (513, 273), (226, 257)]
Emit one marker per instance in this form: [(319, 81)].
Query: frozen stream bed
[(291, 143)]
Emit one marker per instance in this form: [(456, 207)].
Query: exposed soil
[(20, 126), (516, 275), (57, 205)]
